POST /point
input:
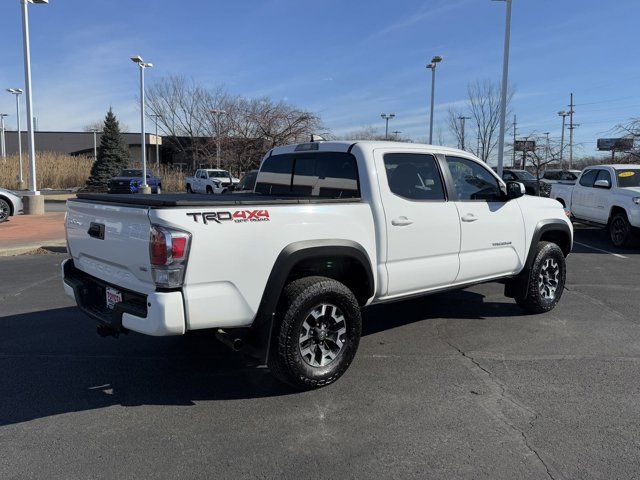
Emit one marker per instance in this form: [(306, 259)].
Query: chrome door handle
[(401, 221), (469, 217)]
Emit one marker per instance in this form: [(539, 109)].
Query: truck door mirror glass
[(515, 190), (602, 184)]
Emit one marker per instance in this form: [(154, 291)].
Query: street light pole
[(156, 116), (505, 79), (218, 113), (564, 116), (3, 145), (387, 118), (462, 121), (33, 190), (95, 144), (143, 144), (17, 92), (434, 63), (546, 147)]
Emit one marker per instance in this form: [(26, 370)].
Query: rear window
[(316, 174)]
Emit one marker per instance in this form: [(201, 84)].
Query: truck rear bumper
[(155, 313)]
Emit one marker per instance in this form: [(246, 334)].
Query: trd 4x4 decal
[(237, 216)]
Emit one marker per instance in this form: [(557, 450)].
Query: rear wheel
[(5, 210), (317, 333), (546, 280), (209, 190), (620, 231), (189, 190)]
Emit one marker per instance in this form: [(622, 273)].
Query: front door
[(423, 230), (492, 228)]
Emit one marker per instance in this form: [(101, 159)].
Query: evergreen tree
[(113, 154)]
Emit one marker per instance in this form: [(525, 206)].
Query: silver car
[(10, 204)]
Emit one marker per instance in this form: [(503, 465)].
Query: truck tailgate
[(111, 242)]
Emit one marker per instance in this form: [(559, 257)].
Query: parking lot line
[(600, 250)]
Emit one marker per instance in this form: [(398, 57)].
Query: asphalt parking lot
[(455, 385)]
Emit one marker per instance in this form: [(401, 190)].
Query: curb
[(22, 249)]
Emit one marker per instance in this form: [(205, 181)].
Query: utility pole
[(504, 87), (564, 116), (571, 127), (515, 130), (462, 119), (396, 133), (217, 113)]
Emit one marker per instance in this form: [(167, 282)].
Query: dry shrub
[(61, 171), (54, 170)]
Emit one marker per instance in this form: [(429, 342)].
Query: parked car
[(210, 180), (607, 196), (522, 176), (10, 204), (332, 227), (247, 183), (551, 176), (130, 179)]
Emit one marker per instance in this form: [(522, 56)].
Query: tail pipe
[(234, 343)]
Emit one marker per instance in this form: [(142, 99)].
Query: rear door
[(492, 228), (110, 242), (423, 230), (582, 197)]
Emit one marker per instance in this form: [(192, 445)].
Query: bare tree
[(630, 129), (483, 106), (542, 155)]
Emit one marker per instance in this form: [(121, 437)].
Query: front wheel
[(5, 210), (316, 334), (546, 280), (189, 190), (209, 190)]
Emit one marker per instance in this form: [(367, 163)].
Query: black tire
[(209, 190), (189, 190), (5, 210), (300, 300), (546, 284), (620, 231)]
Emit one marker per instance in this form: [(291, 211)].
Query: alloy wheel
[(322, 335), (548, 279)]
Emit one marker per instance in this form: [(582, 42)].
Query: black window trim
[(586, 172), (438, 163), (451, 186)]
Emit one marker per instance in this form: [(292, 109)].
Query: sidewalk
[(24, 233)]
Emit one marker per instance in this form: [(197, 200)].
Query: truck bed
[(167, 200)]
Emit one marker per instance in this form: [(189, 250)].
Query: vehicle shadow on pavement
[(458, 304), (49, 371)]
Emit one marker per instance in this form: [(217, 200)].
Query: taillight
[(168, 253)]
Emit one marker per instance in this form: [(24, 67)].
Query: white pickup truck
[(606, 196), (331, 227), (210, 180)]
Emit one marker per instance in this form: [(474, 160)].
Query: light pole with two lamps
[(434, 63), (387, 117), (3, 145), (144, 188), (564, 116)]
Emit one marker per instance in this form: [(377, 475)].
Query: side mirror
[(602, 184), (515, 190)]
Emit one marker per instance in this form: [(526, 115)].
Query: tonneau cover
[(204, 200)]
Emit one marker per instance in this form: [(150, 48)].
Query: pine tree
[(113, 154)]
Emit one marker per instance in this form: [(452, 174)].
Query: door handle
[(401, 221), (469, 217)]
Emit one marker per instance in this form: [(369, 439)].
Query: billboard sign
[(525, 145), (617, 144)]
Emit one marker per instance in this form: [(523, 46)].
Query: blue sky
[(345, 60)]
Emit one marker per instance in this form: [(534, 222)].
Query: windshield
[(628, 177), (524, 175), (218, 174), (130, 172)]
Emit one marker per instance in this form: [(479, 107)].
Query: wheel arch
[(615, 209), (555, 231)]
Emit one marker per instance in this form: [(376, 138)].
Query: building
[(80, 143)]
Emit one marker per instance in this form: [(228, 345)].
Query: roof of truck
[(345, 145), (621, 166)]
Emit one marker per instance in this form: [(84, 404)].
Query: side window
[(275, 176), (509, 177), (588, 178), (197, 175), (604, 175), (551, 175), (472, 181), (414, 176)]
